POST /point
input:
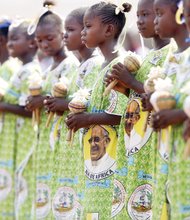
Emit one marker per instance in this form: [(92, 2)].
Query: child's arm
[(15, 109), (164, 118), (76, 121), (146, 105), (186, 132), (120, 72), (56, 104), (34, 102)]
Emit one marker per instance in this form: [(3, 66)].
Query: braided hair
[(173, 3), (106, 11), (50, 18), (78, 14)]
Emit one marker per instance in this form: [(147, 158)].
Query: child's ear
[(32, 43), (110, 30)]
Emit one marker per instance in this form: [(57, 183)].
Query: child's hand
[(77, 121), (2, 107), (186, 131), (164, 118), (34, 102), (56, 104), (120, 72), (120, 87), (146, 105)]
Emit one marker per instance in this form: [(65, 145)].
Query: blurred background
[(32, 8)]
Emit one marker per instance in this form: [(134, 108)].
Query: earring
[(179, 15)]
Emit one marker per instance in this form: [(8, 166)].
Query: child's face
[(93, 32), (18, 44), (72, 34), (165, 23), (145, 18), (49, 39), (187, 13)]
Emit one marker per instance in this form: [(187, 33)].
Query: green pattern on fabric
[(9, 67), (99, 173), (178, 178), (7, 148), (10, 138), (172, 70), (45, 149), (68, 181), (134, 177), (7, 167), (25, 150)]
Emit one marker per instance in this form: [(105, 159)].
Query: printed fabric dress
[(7, 142), (11, 154), (68, 182), (9, 67), (134, 177), (25, 148), (178, 184), (99, 148), (45, 149), (161, 202)]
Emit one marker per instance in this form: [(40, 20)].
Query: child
[(176, 186), (49, 36), (8, 64), (103, 23), (17, 139), (135, 157), (68, 178)]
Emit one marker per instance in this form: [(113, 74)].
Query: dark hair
[(4, 27), (173, 3), (50, 18), (78, 14), (107, 13), (23, 26)]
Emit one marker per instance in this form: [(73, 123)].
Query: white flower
[(163, 84), (119, 9), (35, 80), (186, 89), (82, 94), (156, 72), (65, 81)]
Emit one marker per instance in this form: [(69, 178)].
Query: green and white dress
[(99, 149), (9, 150), (25, 148), (134, 177), (68, 181), (7, 144), (178, 184), (162, 204), (9, 67), (45, 148)]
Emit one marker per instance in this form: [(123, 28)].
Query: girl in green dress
[(103, 23), (175, 169), (67, 185), (7, 64), (16, 137), (134, 177), (49, 36)]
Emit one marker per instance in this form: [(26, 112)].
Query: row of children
[(127, 158)]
